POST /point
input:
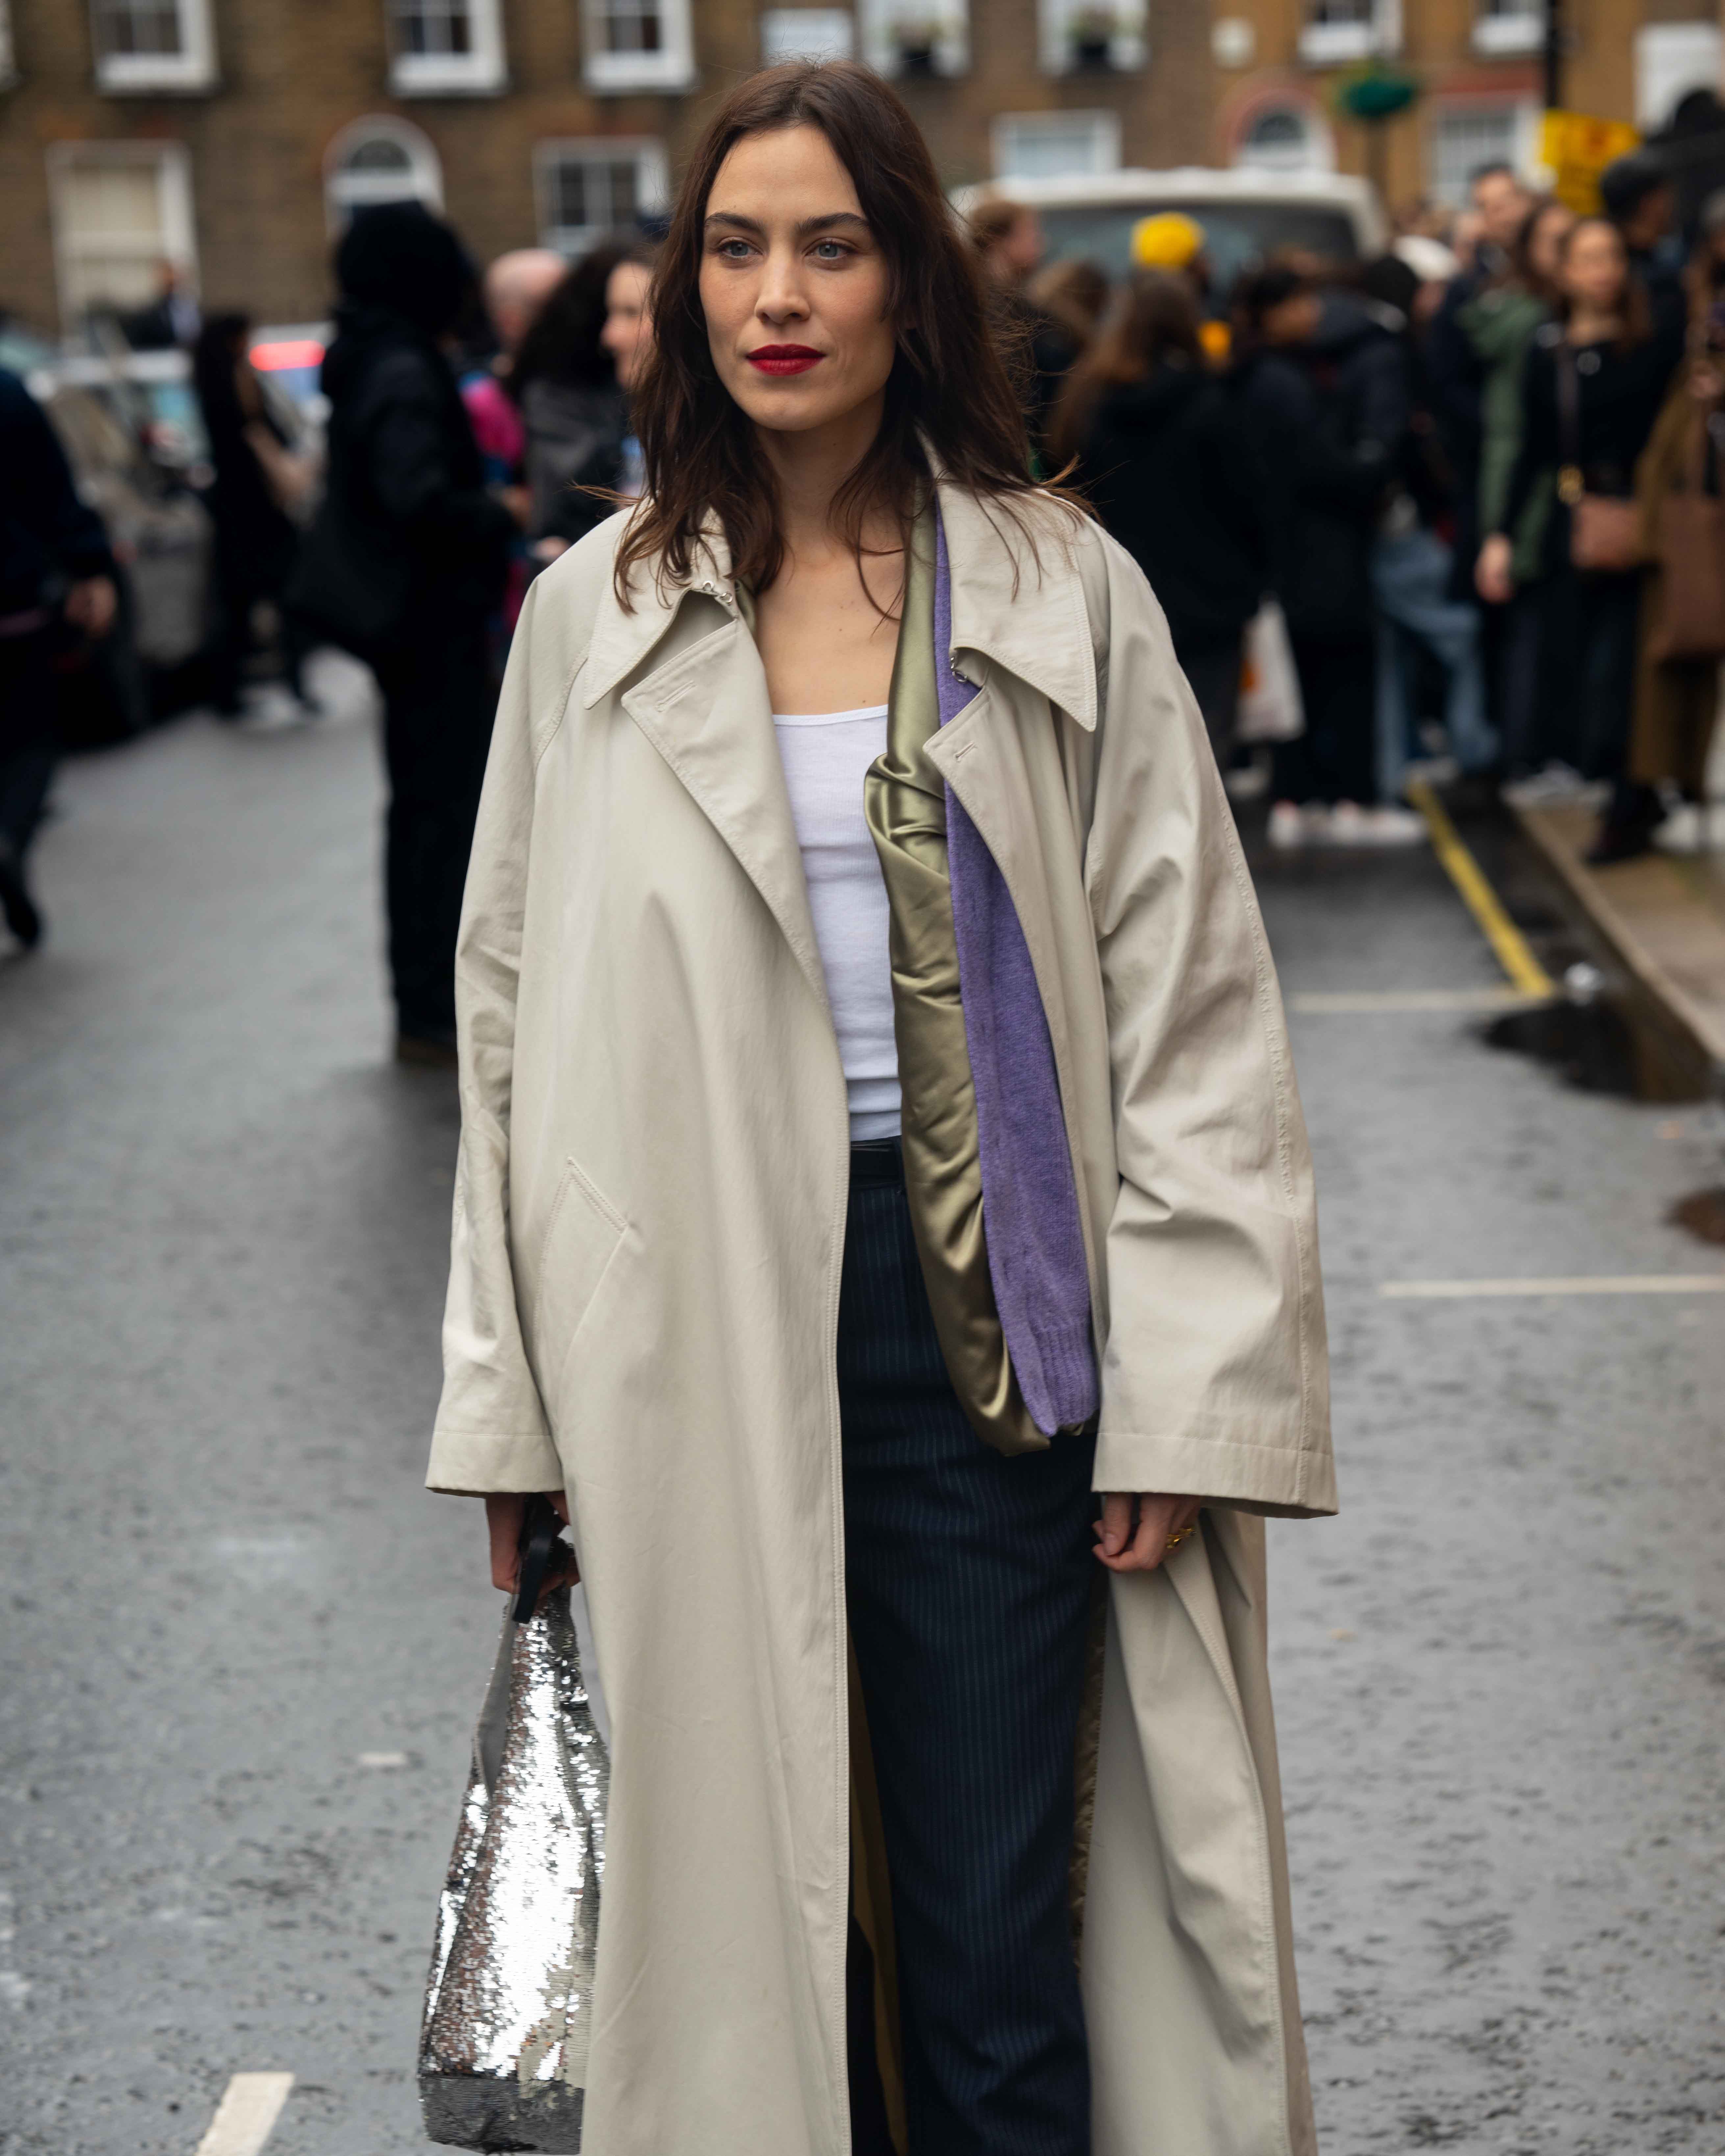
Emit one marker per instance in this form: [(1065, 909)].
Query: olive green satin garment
[(906, 807)]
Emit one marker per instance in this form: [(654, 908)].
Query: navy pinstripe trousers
[(969, 1578)]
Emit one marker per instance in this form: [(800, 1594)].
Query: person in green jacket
[(1500, 324)]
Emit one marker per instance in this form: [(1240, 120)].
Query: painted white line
[(1346, 1003), (247, 2114), (1579, 1284)]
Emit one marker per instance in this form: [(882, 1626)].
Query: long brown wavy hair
[(1155, 324), (949, 380)]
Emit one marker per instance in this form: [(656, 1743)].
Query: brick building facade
[(1478, 67), (231, 137)]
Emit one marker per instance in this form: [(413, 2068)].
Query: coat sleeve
[(491, 1432), (1215, 1370)]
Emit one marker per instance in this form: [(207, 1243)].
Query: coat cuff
[(470, 1463), (1254, 1478)]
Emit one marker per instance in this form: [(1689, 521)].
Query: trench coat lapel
[(704, 705), (707, 712)]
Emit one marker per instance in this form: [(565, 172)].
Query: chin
[(782, 409)]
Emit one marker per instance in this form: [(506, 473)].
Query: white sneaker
[(1390, 827), (1288, 825), (1684, 831), (1345, 824), (1557, 782)]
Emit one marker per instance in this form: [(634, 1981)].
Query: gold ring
[(1174, 1541)]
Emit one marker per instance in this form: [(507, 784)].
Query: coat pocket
[(582, 1237)]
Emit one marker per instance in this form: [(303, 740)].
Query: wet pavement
[(241, 1652)]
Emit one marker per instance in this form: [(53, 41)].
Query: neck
[(1593, 325), (810, 467)]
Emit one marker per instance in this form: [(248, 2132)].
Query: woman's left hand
[(1134, 1531)]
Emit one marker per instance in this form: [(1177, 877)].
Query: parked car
[(130, 423), (1246, 213)]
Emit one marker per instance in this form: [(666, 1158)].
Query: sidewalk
[(1663, 919)]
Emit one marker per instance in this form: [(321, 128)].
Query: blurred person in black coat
[(405, 565), (1159, 453), (255, 538), (55, 569), (1323, 388)]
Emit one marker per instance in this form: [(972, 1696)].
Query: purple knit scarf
[(1029, 1198)]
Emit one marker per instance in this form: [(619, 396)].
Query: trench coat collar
[(1015, 606)]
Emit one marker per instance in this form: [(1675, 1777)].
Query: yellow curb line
[(1478, 896)]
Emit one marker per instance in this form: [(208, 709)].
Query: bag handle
[(540, 1531)]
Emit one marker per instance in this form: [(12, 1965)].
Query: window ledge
[(149, 75), (1323, 45), (610, 74), (1508, 33), (448, 74)]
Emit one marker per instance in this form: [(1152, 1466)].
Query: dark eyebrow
[(806, 230)]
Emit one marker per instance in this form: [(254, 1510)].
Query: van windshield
[(1238, 233)]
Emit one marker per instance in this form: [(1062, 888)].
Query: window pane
[(634, 26), (573, 196), (378, 153), (436, 26), (1463, 141), (1358, 12), (125, 28)]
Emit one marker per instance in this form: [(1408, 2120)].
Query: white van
[(1245, 213)]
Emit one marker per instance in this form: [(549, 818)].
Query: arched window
[(379, 159), (1286, 138)]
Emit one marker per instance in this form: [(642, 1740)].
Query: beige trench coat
[(649, 1215)]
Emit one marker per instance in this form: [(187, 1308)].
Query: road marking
[(247, 2114), (1413, 1000), (1576, 1284), (1478, 896)]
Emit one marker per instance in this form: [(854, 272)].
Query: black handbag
[(503, 2047), (349, 590)]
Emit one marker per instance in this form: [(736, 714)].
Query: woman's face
[(793, 285), (1545, 243), (627, 334), (1593, 267)]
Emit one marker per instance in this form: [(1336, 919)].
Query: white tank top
[(826, 755)]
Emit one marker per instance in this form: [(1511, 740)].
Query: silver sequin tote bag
[(509, 2007)]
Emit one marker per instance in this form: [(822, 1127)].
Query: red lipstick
[(784, 358)]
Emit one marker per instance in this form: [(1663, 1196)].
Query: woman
[(258, 481), (1159, 453), (1500, 324), (405, 565), (1593, 382), (786, 1258), (1676, 704), (1326, 425), (573, 405)]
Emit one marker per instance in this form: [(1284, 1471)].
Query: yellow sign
[(1578, 147)]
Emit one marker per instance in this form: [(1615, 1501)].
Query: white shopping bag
[(1270, 706)]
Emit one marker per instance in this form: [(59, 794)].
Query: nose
[(782, 298)]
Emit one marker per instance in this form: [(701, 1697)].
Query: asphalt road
[(241, 1652)]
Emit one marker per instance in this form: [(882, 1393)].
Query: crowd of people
[(1438, 497), (1453, 479)]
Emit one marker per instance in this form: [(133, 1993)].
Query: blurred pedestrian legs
[(1411, 574)]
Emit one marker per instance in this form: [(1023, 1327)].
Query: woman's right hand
[(1492, 577), (505, 1512)]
